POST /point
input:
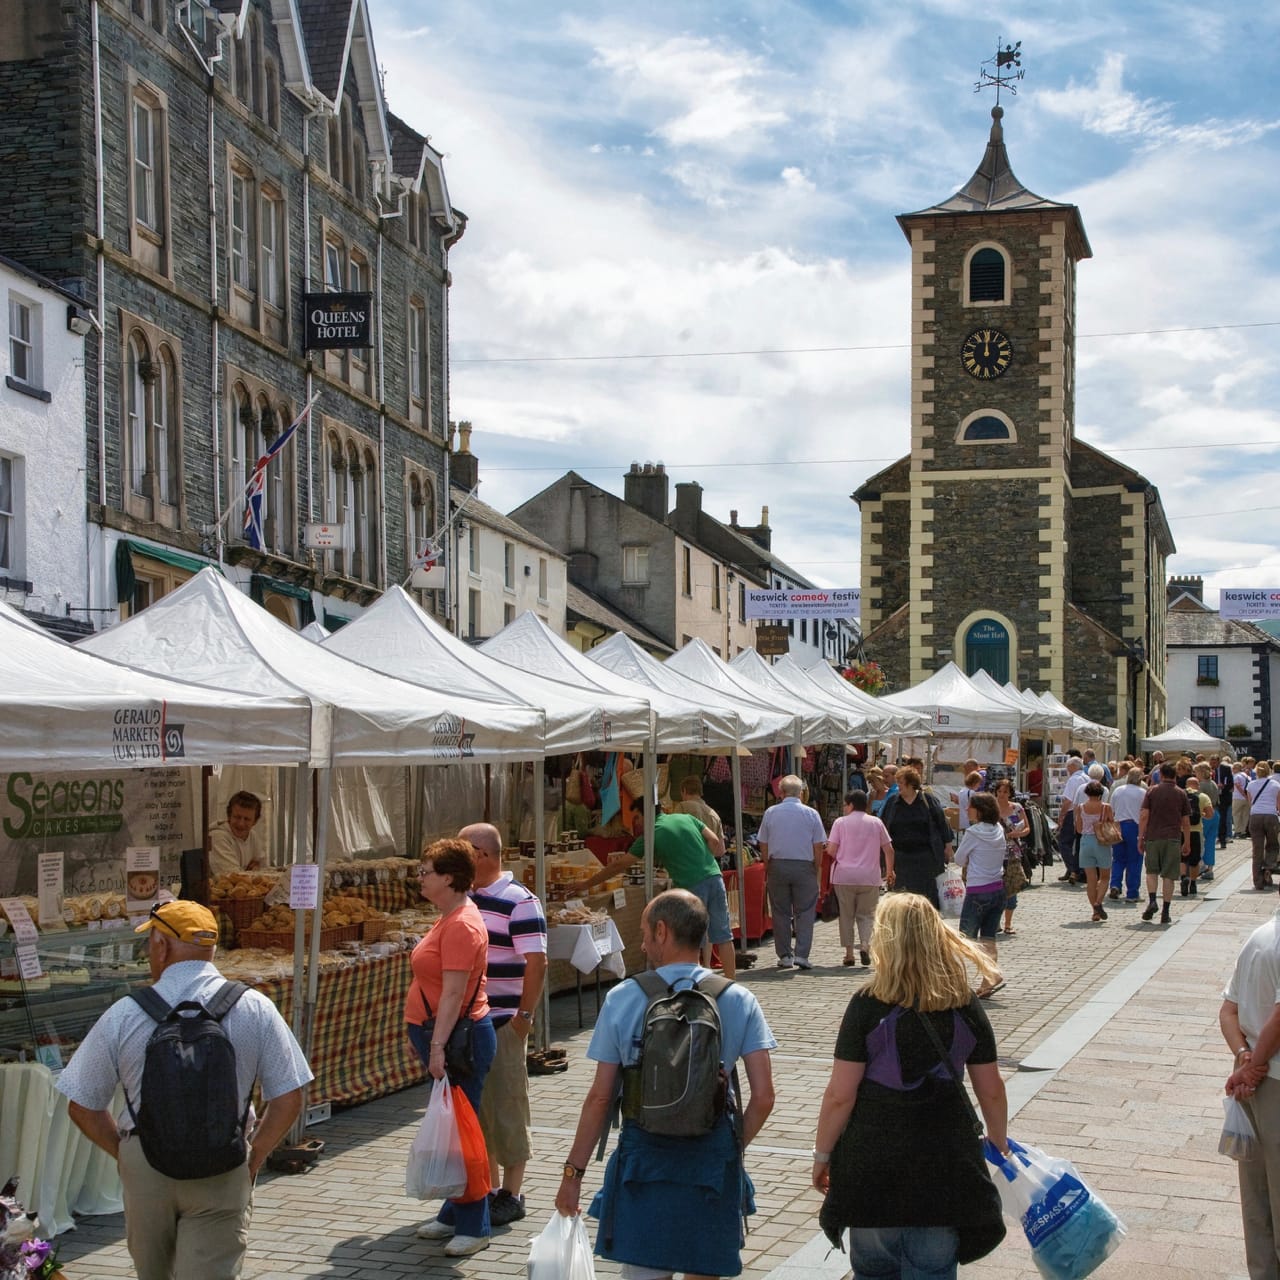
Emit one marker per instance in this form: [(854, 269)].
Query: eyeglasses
[(157, 918), (426, 871)]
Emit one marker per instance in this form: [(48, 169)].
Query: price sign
[(49, 878), (24, 929), (600, 936), (106, 955), (28, 962), (50, 1055), (575, 902), (619, 898), (304, 886)]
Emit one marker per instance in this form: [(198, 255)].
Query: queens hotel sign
[(337, 320)]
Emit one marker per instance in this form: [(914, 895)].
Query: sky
[(654, 190)]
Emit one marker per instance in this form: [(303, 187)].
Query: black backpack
[(678, 1088), (188, 1117)]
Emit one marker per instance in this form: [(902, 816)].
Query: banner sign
[(1245, 602), (804, 602), (335, 321)]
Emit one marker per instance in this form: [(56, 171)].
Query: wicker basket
[(242, 912), (633, 783), (373, 930), (282, 939)]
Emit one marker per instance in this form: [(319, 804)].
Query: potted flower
[(867, 676)]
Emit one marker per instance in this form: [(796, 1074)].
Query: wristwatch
[(572, 1172), (821, 1157), (525, 1014)]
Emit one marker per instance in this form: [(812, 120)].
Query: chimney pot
[(764, 516), (733, 519)]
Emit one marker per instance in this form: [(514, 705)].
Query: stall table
[(586, 948)]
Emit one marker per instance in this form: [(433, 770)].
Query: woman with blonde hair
[(898, 1152)]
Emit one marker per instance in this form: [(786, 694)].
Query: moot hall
[(1001, 541)]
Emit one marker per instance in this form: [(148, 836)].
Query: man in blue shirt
[(792, 841), (651, 1179)]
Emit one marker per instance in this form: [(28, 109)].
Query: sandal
[(1009, 933), (848, 960), (539, 1063), (985, 993)]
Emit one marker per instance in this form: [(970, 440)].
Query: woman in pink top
[(855, 845)]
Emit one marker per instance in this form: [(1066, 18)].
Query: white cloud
[(795, 179)]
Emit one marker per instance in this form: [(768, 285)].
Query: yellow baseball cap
[(185, 921)]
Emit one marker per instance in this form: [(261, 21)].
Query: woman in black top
[(898, 1153), (921, 838)]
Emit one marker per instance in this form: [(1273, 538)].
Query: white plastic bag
[(1238, 1139), (436, 1169), (562, 1251), (1070, 1230), (951, 892)]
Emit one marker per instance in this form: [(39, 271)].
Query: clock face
[(986, 353)]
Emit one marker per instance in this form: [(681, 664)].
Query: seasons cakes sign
[(333, 321)]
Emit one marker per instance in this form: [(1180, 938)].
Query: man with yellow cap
[(185, 1227)]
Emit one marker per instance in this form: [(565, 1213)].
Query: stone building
[(192, 171), (1223, 673), (1001, 540), (654, 565)]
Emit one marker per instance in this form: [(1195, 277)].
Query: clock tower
[(1001, 542)]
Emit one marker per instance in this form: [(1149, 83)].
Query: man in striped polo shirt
[(517, 969)]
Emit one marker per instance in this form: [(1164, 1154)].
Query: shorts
[(980, 915), (1093, 854), (1163, 858), (505, 1117), (1193, 853), (713, 897)]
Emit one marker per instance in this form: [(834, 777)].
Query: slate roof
[(325, 24), (582, 604), (491, 518), (1205, 629), (406, 147)]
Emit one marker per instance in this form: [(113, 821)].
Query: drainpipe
[(215, 390), (99, 231)]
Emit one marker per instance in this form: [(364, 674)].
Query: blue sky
[(723, 177)]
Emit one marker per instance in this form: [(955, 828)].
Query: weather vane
[(1004, 76)]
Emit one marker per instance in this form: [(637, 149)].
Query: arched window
[(358, 166), (986, 648), (137, 374), (254, 43), (369, 509), (335, 149), (240, 462), (280, 486), (355, 512), (335, 496), (271, 87), (345, 169), (166, 419), (242, 72), (987, 272), (987, 427)]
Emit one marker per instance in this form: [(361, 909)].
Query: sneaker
[(435, 1230), (504, 1208), (865, 958), (464, 1246), (803, 964), (1207, 874), (1149, 910), (786, 962), (1114, 894)]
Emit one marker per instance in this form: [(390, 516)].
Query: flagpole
[(437, 537), (244, 493)]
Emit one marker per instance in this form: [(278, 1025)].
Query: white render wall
[(495, 596), (47, 443), (1235, 690)]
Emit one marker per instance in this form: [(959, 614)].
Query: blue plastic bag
[(1070, 1230)]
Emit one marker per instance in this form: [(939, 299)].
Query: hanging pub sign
[(332, 321)]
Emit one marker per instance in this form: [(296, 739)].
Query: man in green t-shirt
[(689, 852)]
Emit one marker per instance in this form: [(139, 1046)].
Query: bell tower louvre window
[(986, 276)]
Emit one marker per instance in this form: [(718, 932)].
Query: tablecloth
[(59, 1171), (588, 947)]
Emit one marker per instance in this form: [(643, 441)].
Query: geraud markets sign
[(332, 321), (1249, 602), (804, 602)]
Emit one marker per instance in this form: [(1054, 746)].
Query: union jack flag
[(430, 556), (257, 484)]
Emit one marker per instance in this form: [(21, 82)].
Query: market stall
[(93, 721), (1186, 735)]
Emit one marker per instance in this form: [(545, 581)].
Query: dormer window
[(987, 274)]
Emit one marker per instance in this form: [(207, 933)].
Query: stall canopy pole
[(304, 780), (313, 954), (740, 856), (650, 809), (541, 1029), (488, 795)]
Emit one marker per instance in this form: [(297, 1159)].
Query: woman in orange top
[(449, 984)]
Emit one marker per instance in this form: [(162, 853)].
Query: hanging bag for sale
[(1070, 1230), (436, 1169), (562, 1251)]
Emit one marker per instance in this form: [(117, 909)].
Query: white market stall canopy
[(213, 634), (1082, 729), (63, 708), (1043, 716), (821, 721), (755, 726), (1186, 735), (956, 706), (1030, 719), (395, 636), (897, 721), (529, 645)]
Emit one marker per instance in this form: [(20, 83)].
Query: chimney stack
[(464, 466), (733, 519), (646, 489)]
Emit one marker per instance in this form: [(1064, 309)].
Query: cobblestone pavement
[(1137, 1105)]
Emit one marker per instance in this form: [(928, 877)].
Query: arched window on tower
[(987, 426), (987, 270)]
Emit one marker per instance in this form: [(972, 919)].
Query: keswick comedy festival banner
[(1249, 602)]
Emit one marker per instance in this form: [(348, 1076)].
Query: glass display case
[(82, 972)]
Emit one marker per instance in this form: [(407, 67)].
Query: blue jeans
[(1209, 855), (470, 1217), (1126, 862), (903, 1253), (980, 915)]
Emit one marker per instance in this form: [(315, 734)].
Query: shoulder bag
[(1107, 830), (980, 1235), (459, 1050)]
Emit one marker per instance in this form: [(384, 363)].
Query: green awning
[(126, 549), (282, 588)]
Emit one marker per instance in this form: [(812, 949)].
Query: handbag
[(829, 906), (1107, 829), (1015, 876), (459, 1050)]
